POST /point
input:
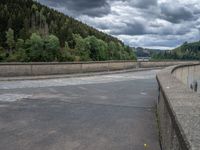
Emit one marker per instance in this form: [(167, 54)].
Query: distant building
[(143, 58)]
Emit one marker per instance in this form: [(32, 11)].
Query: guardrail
[(178, 109), (54, 68)]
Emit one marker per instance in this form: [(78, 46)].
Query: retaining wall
[(35, 69), (178, 109)]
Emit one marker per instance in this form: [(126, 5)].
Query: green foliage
[(42, 49), (82, 47), (102, 50), (187, 51), (128, 54), (111, 48), (52, 47), (43, 34), (28, 16), (20, 44), (66, 54), (35, 48), (52, 43), (2, 54), (20, 53), (94, 48), (10, 38)]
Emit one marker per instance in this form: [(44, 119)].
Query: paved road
[(107, 112)]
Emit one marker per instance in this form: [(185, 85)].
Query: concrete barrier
[(187, 74), (35, 69), (178, 109)]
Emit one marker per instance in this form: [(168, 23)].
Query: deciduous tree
[(10, 39)]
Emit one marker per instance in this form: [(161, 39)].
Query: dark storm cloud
[(137, 22), (79, 7), (175, 14), (137, 28), (130, 29), (143, 3)]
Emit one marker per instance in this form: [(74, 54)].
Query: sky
[(158, 24)]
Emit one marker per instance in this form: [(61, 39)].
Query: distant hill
[(23, 21), (187, 51), (146, 52)]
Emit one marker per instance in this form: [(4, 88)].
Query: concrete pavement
[(104, 112)]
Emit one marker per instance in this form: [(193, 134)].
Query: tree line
[(187, 51), (39, 48), (33, 32)]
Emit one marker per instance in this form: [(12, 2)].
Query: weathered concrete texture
[(147, 64), (187, 73), (34, 69), (179, 113), (88, 74), (109, 112)]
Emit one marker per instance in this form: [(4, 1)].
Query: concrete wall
[(148, 64), (34, 69), (188, 74), (178, 110)]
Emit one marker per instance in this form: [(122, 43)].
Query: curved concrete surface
[(178, 109), (189, 75), (106, 112)]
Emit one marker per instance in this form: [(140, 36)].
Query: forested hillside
[(187, 51), (146, 52), (30, 31)]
